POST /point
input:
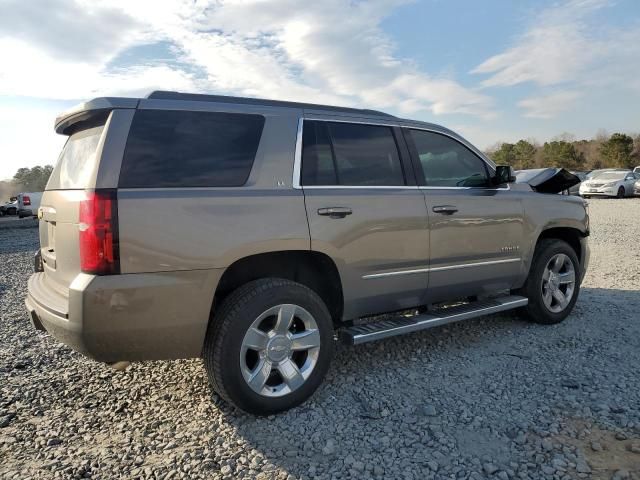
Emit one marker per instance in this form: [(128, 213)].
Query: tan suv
[(249, 231)]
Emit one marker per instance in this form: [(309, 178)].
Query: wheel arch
[(571, 235), (313, 269)]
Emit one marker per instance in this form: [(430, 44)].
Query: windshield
[(609, 176), (77, 162)]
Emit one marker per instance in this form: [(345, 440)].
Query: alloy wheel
[(280, 350), (558, 283)]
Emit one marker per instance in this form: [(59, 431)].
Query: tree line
[(25, 180), (616, 151)]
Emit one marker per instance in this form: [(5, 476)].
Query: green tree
[(635, 154), (504, 155), (33, 179), (616, 152), (524, 154), (559, 153)]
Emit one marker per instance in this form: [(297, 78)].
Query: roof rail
[(198, 97)]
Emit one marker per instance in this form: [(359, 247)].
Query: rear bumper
[(142, 316)]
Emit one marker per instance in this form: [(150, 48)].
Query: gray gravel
[(492, 398)]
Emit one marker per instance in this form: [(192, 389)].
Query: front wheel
[(553, 284), (621, 192), (269, 346)]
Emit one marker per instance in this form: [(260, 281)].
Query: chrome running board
[(401, 325)]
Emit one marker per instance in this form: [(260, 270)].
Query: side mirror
[(504, 174)]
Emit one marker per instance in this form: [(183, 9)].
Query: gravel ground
[(492, 398)]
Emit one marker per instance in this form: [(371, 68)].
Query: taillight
[(99, 233), (26, 200)]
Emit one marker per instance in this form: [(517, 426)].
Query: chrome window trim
[(439, 269), (297, 164)]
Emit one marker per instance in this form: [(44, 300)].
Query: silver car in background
[(610, 183)]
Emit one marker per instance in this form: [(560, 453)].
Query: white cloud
[(33, 73), (548, 106), (567, 43), (27, 138), (78, 30), (331, 52)]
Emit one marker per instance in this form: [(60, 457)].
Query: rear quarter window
[(190, 149)]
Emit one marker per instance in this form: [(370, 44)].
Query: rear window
[(77, 162), (190, 149)]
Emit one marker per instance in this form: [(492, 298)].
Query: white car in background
[(28, 204), (610, 183)]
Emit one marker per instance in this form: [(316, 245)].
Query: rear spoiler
[(85, 111), (547, 180)]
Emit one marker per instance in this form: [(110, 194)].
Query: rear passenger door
[(476, 229), (366, 212)]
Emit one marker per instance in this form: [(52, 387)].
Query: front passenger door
[(476, 230)]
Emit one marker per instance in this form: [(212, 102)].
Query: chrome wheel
[(558, 283), (280, 350)]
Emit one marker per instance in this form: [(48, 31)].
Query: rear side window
[(190, 149), (77, 162), (350, 154)]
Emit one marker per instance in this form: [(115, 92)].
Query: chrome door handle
[(445, 209), (335, 212)]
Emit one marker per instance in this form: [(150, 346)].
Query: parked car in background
[(287, 220), (28, 204), (609, 183), (636, 187), (636, 170), (11, 207), (592, 173)]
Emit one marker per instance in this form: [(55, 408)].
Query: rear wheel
[(621, 192), (269, 346), (553, 283)]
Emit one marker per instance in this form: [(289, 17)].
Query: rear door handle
[(335, 212), (445, 209)]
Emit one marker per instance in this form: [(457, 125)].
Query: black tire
[(586, 196), (621, 192), (11, 211), (536, 310), (223, 343)]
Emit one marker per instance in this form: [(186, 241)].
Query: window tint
[(190, 149), (318, 167), (447, 163), (350, 154)]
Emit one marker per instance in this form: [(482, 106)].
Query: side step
[(401, 325)]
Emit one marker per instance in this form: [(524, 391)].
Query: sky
[(494, 70)]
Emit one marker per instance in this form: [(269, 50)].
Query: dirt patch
[(606, 452)]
